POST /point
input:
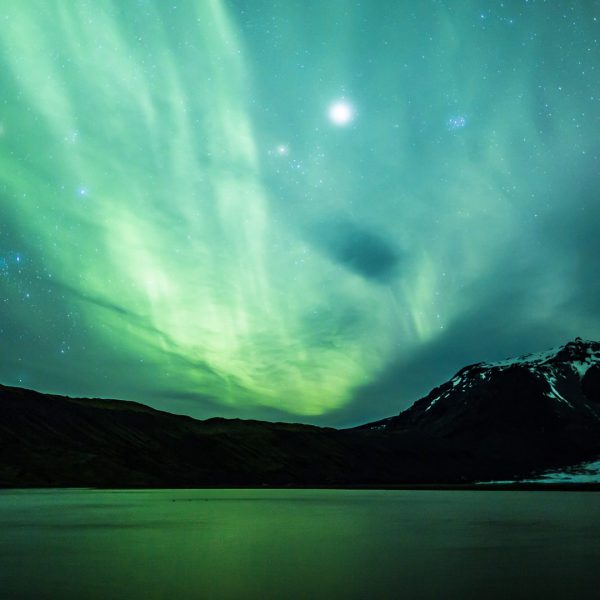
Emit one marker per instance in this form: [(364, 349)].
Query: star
[(341, 112)]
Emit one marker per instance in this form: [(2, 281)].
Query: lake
[(298, 544)]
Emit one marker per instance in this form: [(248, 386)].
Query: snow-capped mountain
[(535, 409), (566, 378)]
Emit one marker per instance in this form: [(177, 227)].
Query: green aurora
[(185, 222)]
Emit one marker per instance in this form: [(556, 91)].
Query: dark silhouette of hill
[(502, 420)]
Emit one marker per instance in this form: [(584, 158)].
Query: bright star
[(341, 112)]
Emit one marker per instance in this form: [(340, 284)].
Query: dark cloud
[(574, 235), (357, 248)]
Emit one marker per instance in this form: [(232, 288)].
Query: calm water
[(298, 544)]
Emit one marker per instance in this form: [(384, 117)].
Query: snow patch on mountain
[(537, 358), (551, 380), (588, 472), (570, 353), (456, 381)]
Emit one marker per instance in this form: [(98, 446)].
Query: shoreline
[(443, 487)]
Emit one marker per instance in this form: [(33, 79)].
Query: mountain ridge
[(572, 369), (500, 420)]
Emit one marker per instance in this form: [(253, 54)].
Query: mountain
[(534, 410), (48, 440), (504, 420)]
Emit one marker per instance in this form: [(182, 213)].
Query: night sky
[(293, 210)]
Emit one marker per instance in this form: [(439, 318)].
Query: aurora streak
[(182, 224)]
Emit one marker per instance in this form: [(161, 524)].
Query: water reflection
[(298, 544)]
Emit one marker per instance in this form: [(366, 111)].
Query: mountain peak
[(580, 350), (581, 354), (533, 390)]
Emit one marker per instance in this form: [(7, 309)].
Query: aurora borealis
[(293, 210)]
